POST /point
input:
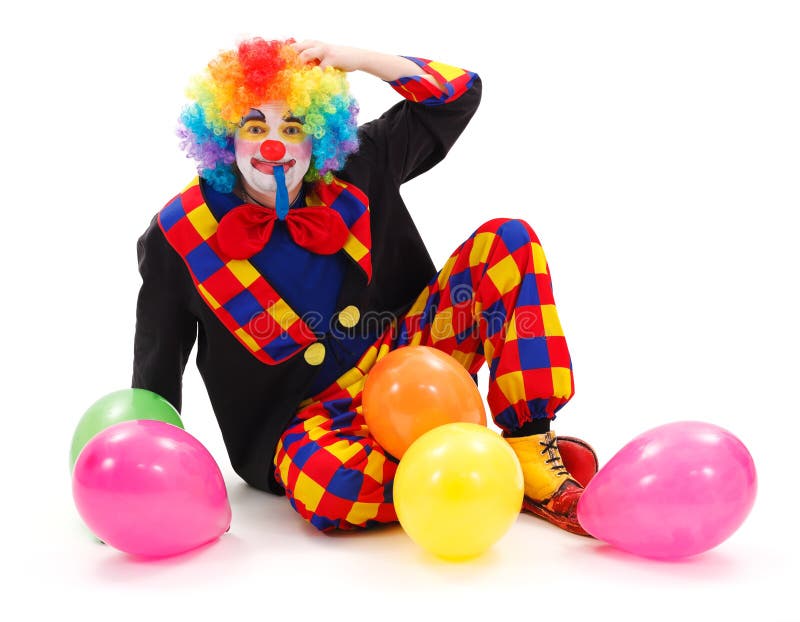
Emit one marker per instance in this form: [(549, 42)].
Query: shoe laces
[(550, 447)]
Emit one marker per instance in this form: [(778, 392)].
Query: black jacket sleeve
[(165, 328), (410, 138)]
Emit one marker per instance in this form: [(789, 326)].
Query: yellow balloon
[(458, 489)]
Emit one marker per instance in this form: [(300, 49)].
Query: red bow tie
[(245, 230)]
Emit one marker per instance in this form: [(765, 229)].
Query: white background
[(652, 145)]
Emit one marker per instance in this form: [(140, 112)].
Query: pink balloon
[(676, 490), (150, 488)]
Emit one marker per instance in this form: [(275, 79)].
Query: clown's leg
[(335, 475), (493, 301)]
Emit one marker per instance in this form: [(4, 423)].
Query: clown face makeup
[(269, 136)]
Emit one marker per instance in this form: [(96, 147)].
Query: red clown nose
[(272, 150)]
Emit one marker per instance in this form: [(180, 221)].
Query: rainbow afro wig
[(258, 72)]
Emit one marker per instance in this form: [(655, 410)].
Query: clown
[(293, 263)]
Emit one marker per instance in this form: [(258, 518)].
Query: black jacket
[(253, 401)]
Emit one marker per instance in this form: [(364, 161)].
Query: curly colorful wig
[(257, 72)]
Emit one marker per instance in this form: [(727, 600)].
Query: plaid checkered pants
[(492, 301)]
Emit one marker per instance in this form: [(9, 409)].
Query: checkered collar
[(237, 293)]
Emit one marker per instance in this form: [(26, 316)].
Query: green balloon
[(119, 406)]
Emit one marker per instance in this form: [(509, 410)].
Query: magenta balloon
[(150, 488), (676, 490)]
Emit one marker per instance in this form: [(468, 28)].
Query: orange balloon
[(414, 389)]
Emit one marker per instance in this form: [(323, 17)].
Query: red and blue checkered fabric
[(454, 80), (492, 301)]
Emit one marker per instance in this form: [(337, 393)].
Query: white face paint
[(269, 135)]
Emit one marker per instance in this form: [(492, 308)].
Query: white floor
[(271, 562), (652, 146)]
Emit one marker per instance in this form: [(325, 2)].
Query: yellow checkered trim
[(203, 220), (513, 386), (539, 261), (448, 72), (442, 325), (374, 467), (505, 274), (488, 351), (355, 248), (552, 325), (308, 492), (283, 468), (244, 271), (211, 300), (362, 512), (481, 246), (465, 358), (247, 339), (356, 387), (317, 433), (562, 382), (419, 304), (477, 309), (368, 359), (350, 377), (344, 450), (282, 313), (383, 351), (511, 335), (416, 339), (314, 422), (444, 274)]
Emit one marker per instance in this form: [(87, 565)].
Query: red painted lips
[(266, 167)]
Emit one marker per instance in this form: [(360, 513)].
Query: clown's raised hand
[(329, 55), (387, 67)]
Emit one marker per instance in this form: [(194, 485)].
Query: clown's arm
[(165, 328), (415, 134)]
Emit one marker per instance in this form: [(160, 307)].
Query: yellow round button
[(315, 354), (349, 316)]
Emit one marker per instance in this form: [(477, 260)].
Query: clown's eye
[(293, 130), (254, 128)]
